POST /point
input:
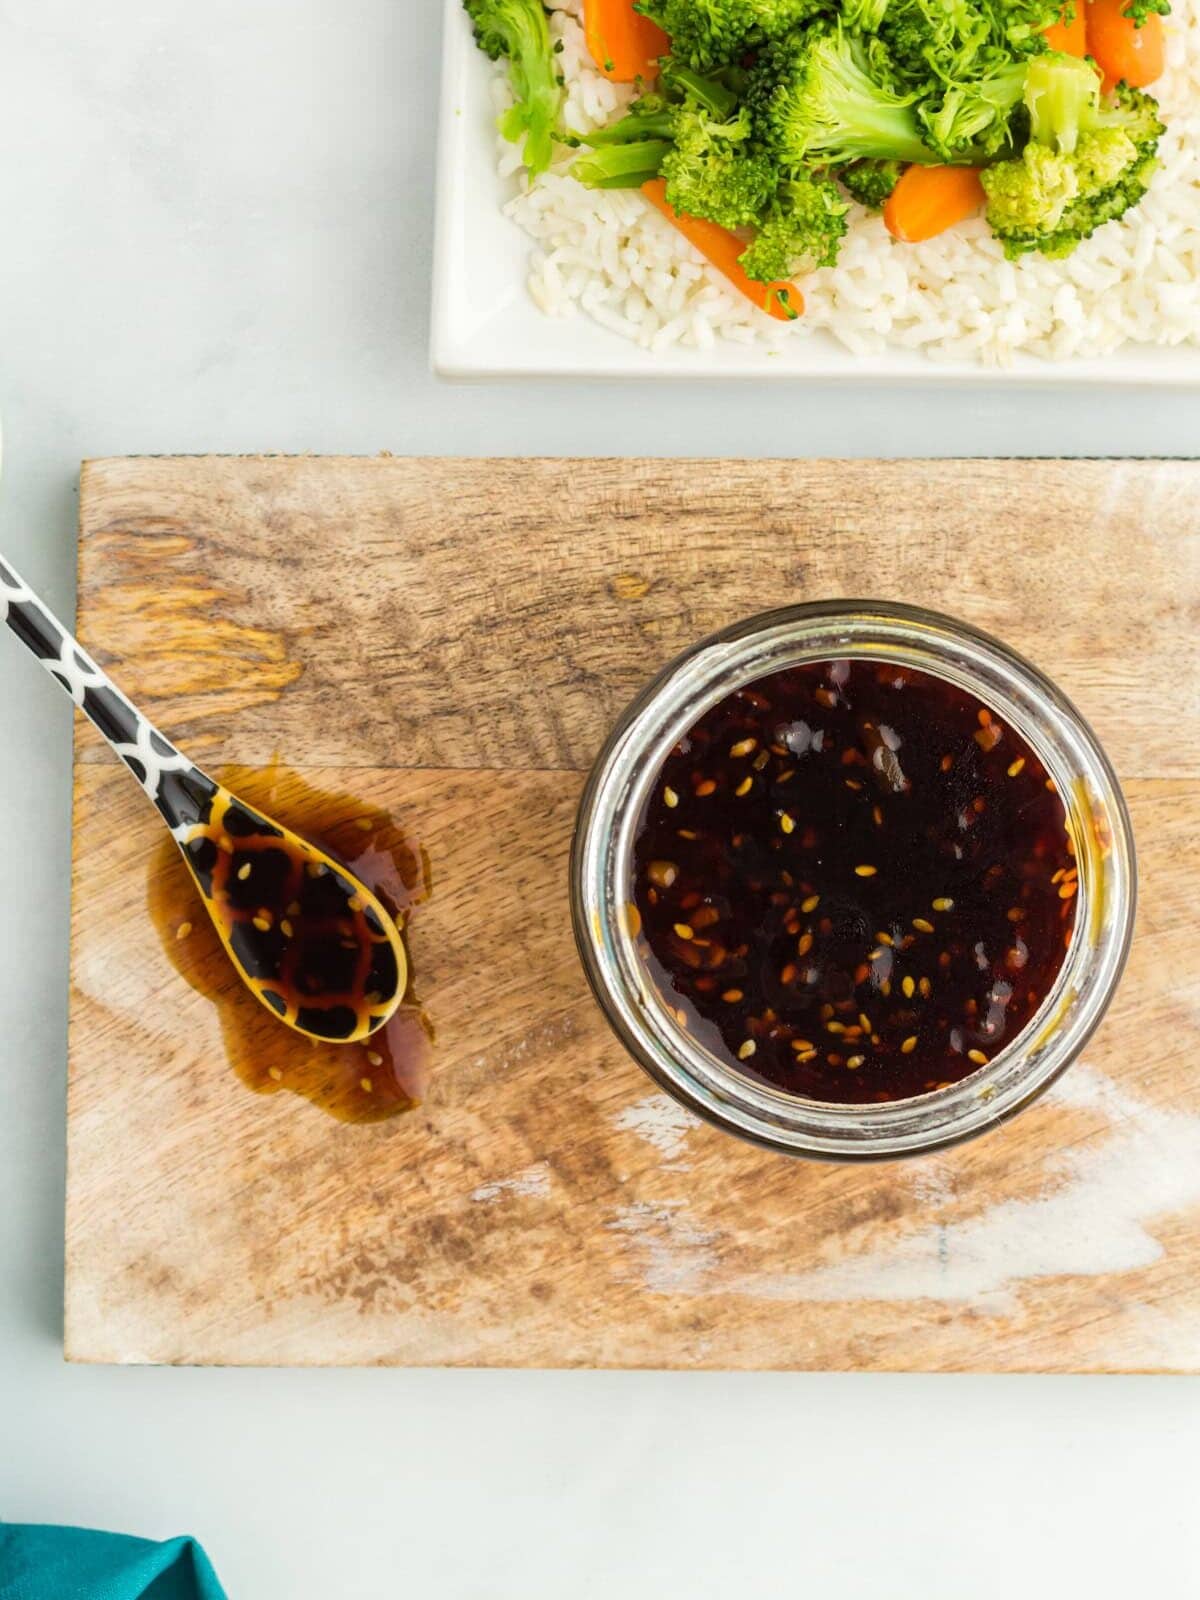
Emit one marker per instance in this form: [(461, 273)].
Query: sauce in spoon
[(359, 1080)]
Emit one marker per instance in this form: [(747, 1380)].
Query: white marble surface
[(217, 226)]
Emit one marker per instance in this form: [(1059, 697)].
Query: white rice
[(612, 256)]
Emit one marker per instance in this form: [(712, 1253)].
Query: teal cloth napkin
[(44, 1563)]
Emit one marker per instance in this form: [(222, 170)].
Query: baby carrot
[(928, 200), (624, 44), (1069, 37), (1122, 50), (722, 248)]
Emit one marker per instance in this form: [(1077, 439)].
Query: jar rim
[(942, 646)]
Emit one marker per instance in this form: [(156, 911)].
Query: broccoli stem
[(622, 166)]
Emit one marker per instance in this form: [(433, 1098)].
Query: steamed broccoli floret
[(1020, 25), (1029, 196), (816, 104), (871, 182), (971, 120), (803, 229), (707, 33), (1140, 10), (517, 31), (1085, 163), (713, 171), (1082, 218)]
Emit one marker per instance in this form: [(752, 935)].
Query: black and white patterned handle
[(175, 785)]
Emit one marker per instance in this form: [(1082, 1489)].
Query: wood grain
[(450, 639)]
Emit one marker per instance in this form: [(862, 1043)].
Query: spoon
[(309, 941)]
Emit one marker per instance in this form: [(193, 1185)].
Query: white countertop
[(218, 224)]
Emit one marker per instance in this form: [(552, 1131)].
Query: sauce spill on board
[(854, 883), (380, 1077)]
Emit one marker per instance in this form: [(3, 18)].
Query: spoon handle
[(175, 785)]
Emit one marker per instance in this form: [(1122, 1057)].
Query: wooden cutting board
[(451, 640)]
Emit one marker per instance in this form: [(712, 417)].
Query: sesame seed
[(707, 787), (878, 955), (744, 787), (877, 815), (286, 928), (274, 1072), (909, 987), (909, 1045), (788, 973), (943, 904), (853, 783), (787, 822), (744, 747), (885, 938), (885, 988), (835, 1027), (978, 1057), (687, 833), (244, 872), (263, 924), (985, 716), (183, 930), (662, 873), (922, 925), (732, 996), (1066, 890), (804, 944), (809, 1055), (925, 987), (366, 1085), (315, 869), (865, 1020), (746, 1050), (1017, 767), (802, 1044), (811, 904), (1050, 784), (1015, 914), (684, 931), (855, 1061), (670, 798), (947, 763), (865, 871)]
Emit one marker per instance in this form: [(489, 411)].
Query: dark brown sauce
[(382, 1076), (854, 882)]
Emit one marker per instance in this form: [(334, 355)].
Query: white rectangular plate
[(485, 325)]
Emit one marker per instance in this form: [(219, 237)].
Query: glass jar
[(605, 918)]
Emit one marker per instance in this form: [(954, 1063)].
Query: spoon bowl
[(310, 941)]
